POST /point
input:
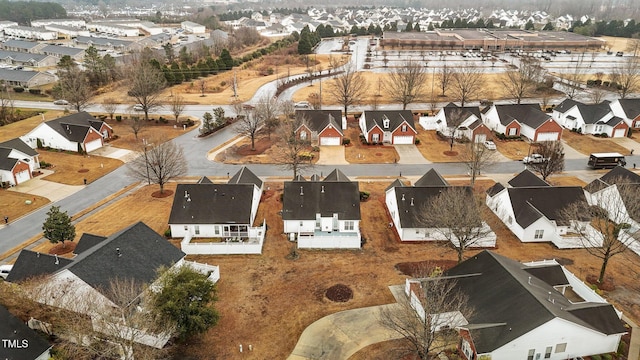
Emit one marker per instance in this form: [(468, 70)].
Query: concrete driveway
[(340, 335), (51, 190), (332, 155), (109, 151), (409, 154), (571, 153)]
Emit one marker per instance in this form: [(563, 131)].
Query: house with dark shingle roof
[(222, 211), (322, 214), (627, 109), (71, 132), (133, 254), (590, 118), (463, 121), (525, 310), (321, 127), (531, 209), (522, 120), (18, 341), (406, 206), (26, 78), (388, 126), (17, 161)]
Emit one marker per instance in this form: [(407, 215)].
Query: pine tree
[(57, 227)]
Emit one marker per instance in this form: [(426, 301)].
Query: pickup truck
[(534, 159)]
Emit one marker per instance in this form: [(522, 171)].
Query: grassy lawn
[(265, 151), (357, 153), (127, 140), (72, 169), (588, 144), (435, 149), (22, 127), (514, 150), (12, 204), (563, 180)]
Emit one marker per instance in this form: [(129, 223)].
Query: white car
[(138, 107), (4, 271), (302, 105), (534, 159), (490, 145), (61, 102)]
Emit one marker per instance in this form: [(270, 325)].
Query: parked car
[(4, 271), (302, 105), (490, 145), (61, 102), (138, 107), (534, 159)]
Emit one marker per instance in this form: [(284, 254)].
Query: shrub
[(315, 149), (118, 118), (606, 356), (346, 141), (364, 195), (596, 357), (35, 91), (39, 145), (167, 233), (417, 141), (18, 89), (44, 164), (305, 155)]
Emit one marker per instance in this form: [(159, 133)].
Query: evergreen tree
[(409, 27), (548, 26), (529, 25), (57, 227), (417, 28), (227, 60)]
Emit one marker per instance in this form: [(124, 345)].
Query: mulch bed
[(423, 268), (158, 194), (451, 153), (339, 293), (606, 285), (261, 144), (83, 170), (59, 249)]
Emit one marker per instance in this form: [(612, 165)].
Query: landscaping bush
[(346, 141), (18, 89), (606, 356), (606, 83), (596, 357), (590, 83), (364, 195), (35, 91), (44, 164), (118, 118), (315, 149), (167, 233), (417, 141)]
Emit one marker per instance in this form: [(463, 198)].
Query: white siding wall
[(580, 342), (50, 138), (492, 121), (527, 131), (296, 226)]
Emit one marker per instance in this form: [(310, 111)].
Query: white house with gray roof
[(27, 59), (28, 32), (27, 79)]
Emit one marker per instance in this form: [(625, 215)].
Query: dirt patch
[(60, 249), (163, 194), (261, 145), (339, 293), (607, 283), (424, 268)]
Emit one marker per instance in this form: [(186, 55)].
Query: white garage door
[(329, 140), (480, 138), (93, 145), (620, 133), (22, 176), (548, 136), (402, 140)]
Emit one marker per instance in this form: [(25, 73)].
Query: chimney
[(301, 192), (118, 252), (57, 261)]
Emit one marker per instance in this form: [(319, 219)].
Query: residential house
[(322, 213), (135, 254), (17, 162), (5, 24), (22, 45), (466, 121), (25, 78), (529, 310), (27, 59), (74, 23), (615, 193), (629, 110), (209, 210), (406, 205), (74, 132), (193, 28), (102, 43), (388, 126), (28, 32), (594, 119), (58, 51), (113, 29), (67, 32), (321, 127), (19, 341), (522, 120), (531, 209)]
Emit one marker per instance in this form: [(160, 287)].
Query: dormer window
[(404, 128), (385, 123), (303, 135)]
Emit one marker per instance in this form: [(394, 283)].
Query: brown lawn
[(264, 153), (588, 144), (435, 149), (358, 153), (267, 300), (563, 180), (72, 168), (12, 204), (151, 129), (22, 127), (514, 150)]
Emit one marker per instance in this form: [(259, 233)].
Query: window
[(216, 230), (303, 135), (637, 124), (197, 229), (532, 352), (538, 234), (348, 225), (598, 128), (547, 352), (186, 228), (385, 123), (513, 131), (404, 128), (375, 137), (561, 347)]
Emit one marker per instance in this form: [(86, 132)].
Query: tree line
[(607, 28), (23, 12)]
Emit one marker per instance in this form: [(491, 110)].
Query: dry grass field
[(12, 204), (22, 127), (72, 168), (151, 130), (358, 153), (588, 144), (268, 300), (435, 149)]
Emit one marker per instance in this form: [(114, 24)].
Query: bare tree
[(75, 88), (145, 84), (428, 330), (291, 147), (455, 215), (466, 82), (627, 76), (406, 84), (177, 106), (136, 125), (476, 157), (348, 88), (6, 105), (553, 153), (613, 211), (597, 94), (455, 118), (444, 78), (109, 105), (267, 111), (248, 122), (521, 82), (572, 87), (159, 162)]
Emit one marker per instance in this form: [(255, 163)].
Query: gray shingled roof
[(21, 44), (22, 57), (529, 114), (303, 200), (17, 75), (6, 163), (18, 144), (495, 189), (464, 112), (87, 241), (335, 175), (631, 107), (212, 204), (61, 50), (527, 178), (531, 203), (318, 120), (431, 178), (31, 264), (396, 118), (75, 127), (499, 289), (245, 176), (15, 330), (102, 41)]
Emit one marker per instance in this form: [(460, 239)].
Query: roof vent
[(411, 201), (322, 189), (118, 252), (529, 281), (402, 197), (186, 194), (38, 254), (57, 260), (549, 297), (301, 191), (188, 198)]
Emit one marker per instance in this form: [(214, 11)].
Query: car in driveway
[(490, 145), (61, 102), (534, 159), (302, 105)]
